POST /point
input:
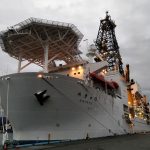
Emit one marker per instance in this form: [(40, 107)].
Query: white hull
[(73, 111)]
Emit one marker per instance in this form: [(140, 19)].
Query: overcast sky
[(132, 32)]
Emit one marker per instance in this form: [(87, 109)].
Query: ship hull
[(74, 110)]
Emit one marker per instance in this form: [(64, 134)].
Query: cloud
[(131, 17)]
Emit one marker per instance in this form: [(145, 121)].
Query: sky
[(132, 31)]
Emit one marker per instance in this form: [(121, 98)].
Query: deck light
[(40, 76), (79, 67), (140, 113), (73, 68)]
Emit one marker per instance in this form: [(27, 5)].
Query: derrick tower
[(107, 45)]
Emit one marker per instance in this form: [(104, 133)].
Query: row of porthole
[(108, 92), (95, 98), (85, 96), (74, 73), (85, 101)]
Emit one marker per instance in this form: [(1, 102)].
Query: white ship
[(72, 100)]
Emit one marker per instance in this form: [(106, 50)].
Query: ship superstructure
[(75, 99), (41, 42)]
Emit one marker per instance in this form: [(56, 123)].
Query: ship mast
[(107, 45)]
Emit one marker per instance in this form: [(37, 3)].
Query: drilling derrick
[(107, 45)]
